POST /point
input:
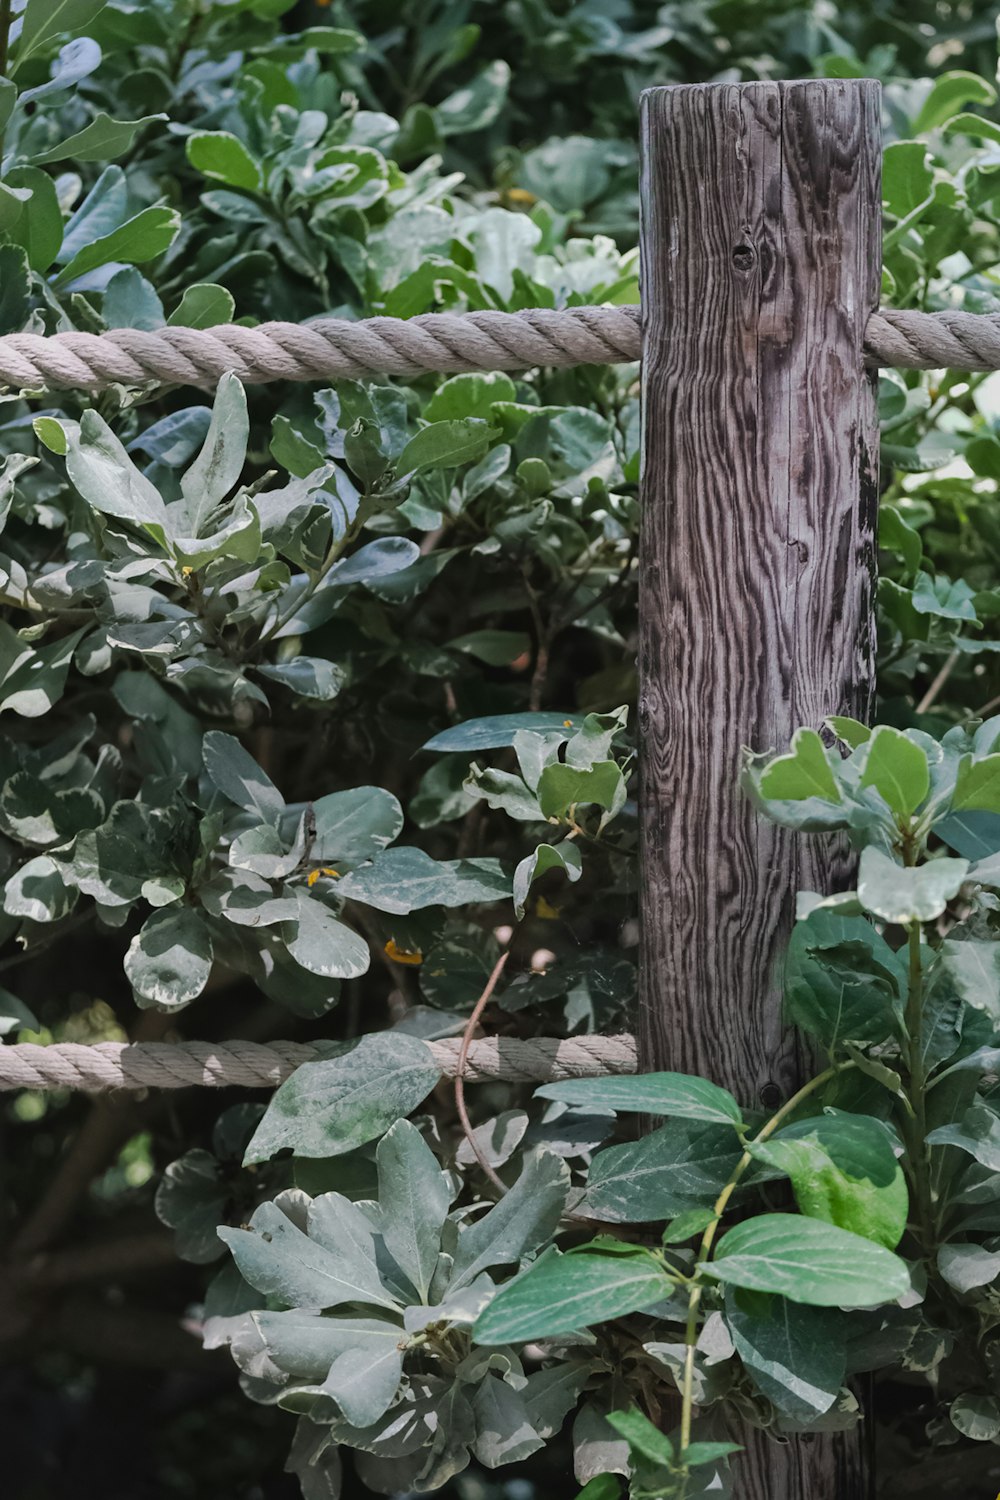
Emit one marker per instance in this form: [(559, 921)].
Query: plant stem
[(708, 1240), (467, 1035), (917, 1090), (931, 695)]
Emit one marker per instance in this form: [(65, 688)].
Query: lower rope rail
[(104, 1066), (444, 343)]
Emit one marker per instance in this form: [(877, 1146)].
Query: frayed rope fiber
[(105, 1066), (445, 343)]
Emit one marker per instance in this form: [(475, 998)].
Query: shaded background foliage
[(468, 155)]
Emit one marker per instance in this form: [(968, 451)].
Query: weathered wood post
[(761, 259)]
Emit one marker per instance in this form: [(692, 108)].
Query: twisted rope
[(443, 342), (933, 341), (327, 348), (118, 1065)]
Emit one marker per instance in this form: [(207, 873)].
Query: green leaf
[(897, 769), (564, 856), (309, 677), (977, 785), (286, 46), (355, 825), (445, 445), (977, 1134), (39, 227), (38, 892), (170, 958), (219, 465), (327, 1108), (975, 125), (505, 1433), (191, 1199), (895, 535), (795, 1355), (40, 681), (843, 1169), (967, 1267), (522, 1222), (684, 1226), (476, 104), (950, 93), (681, 1166), (497, 731), (130, 301), (942, 597), (75, 61), (12, 201), (220, 155), (971, 969), (102, 140), (907, 178), (15, 289), (803, 773), (402, 880), (808, 1261), (502, 789), (323, 944), (843, 982), (15, 1015), (234, 772), (898, 894), (139, 239), (469, 396), (601, 1487), (850, 731), (44, 20), (415, 1197), (561, 787), (675, 1094), (976, 1416), (642, 1437), (306, 1270), (562, 1294), (497, 648), (357, 1361), (106, 477), (203, 306)]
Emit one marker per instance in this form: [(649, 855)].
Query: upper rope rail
[(104, 1066), (443, 343)]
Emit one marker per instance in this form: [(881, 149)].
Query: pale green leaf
[(897, 769), (900, 894), (804, 772), (327, 1108), (169, 959), (675, 1094)]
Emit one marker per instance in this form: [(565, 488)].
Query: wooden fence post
[(761, 259)]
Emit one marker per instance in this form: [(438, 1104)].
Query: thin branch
[(463, 1055), (932, 692)]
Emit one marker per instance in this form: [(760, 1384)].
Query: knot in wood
[(744, 256)]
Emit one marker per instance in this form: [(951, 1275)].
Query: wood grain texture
[(761, 259)]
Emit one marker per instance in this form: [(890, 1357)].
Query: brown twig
[(463, 1054), (932, 692)]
